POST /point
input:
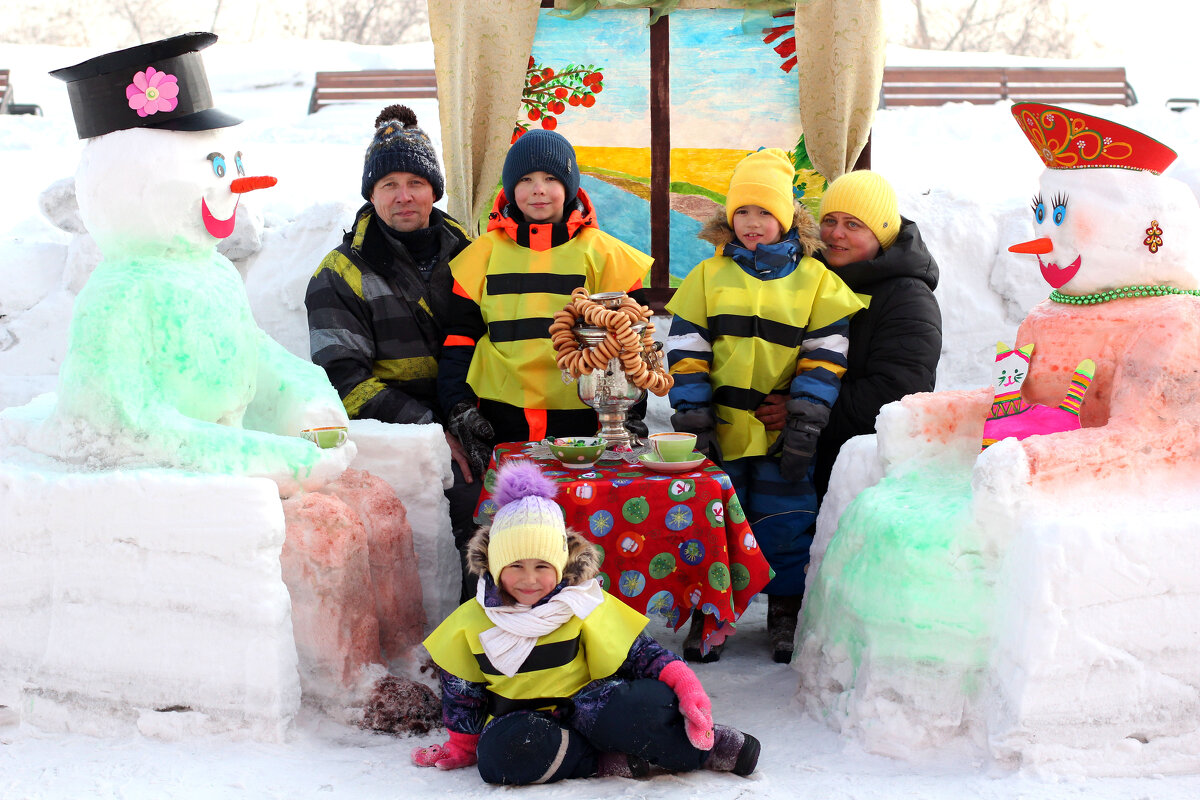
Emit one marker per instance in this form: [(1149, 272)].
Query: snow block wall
[(144, 597), (415, 461)]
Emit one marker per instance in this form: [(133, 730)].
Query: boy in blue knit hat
[(542, 242), (546, 676)]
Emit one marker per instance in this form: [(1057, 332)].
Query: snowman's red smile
[(1057, 276), (220, 228), (223, 228)]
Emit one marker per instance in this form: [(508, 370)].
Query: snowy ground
[(965, 173), (801, 758)]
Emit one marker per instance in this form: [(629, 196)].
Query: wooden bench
[(371, 85), (7, 106), (934, 86)]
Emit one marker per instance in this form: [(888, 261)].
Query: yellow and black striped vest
[(561, 663), (518, 290), (756, 328)]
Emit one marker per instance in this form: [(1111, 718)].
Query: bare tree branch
[(1019, 27)]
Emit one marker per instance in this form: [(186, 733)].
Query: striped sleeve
[(822, 363), (689, 346), (826, 342), (464, 326), (342, 343)]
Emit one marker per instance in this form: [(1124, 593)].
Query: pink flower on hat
[(152, 91)]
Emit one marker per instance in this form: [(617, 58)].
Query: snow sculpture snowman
[(1031, 599), (165, 364)]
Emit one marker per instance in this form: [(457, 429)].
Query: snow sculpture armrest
[(292, 394), (919, 423)]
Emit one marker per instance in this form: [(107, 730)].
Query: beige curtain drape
[(840, 50), (481, 51)]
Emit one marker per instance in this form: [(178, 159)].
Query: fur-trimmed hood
[(583, 559), (719, 233)]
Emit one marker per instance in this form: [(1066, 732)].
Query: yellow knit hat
[(529, 523), (763, 179), (868, 196)]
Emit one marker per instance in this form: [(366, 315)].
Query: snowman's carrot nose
[(243, 185), (1035, 247)]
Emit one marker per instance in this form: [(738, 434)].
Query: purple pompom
[(517, 479)]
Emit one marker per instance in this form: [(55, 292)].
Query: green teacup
[(325, 438), (673, 446)]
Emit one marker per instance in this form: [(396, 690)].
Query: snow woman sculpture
[(1030, 601), (165, 364)]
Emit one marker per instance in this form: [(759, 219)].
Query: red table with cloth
[(669, 542)]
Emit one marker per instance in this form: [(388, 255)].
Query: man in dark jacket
[(376, 302)]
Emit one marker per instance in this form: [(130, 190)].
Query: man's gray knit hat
[(400, 146)]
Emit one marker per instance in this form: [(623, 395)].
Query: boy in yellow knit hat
[(761, 317), (546, 676)]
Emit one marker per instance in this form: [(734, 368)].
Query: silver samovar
[(609, 390)]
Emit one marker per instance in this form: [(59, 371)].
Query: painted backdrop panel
[(733, 90)]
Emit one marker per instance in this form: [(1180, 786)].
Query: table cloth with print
[(669, 543)]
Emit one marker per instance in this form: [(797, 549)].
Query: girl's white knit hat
[(529, 523)]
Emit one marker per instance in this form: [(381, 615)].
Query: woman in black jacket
[(896, 342)]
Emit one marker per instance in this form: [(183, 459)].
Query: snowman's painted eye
[(1039, 210), (218, 164), (237, 159), (1060, 208)]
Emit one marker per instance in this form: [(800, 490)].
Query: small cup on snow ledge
[(327, 437)]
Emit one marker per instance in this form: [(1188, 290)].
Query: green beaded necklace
[(1117, 294)]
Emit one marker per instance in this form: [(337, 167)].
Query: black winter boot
[(783, 610), (733, 751), (692, 643)]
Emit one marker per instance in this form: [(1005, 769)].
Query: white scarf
[(518, 627)]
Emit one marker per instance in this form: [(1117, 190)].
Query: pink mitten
[(693, 703), (456, 753)]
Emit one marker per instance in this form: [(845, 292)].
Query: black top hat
[(155, 85)]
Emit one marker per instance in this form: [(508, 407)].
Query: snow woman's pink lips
[(223, 228), (1054, 275), (1057, 276)]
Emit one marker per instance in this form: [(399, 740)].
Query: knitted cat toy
[(1012, 417)]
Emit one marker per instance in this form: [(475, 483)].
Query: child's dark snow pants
[(640, 718)]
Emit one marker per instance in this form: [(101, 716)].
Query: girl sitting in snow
[(546, 676)]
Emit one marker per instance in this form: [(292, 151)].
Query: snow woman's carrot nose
[(1034, 247), (243, 185)]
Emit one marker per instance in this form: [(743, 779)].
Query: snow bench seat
[(935, 86), (371, 84)]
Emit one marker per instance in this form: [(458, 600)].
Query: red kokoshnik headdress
[(1066, 139)]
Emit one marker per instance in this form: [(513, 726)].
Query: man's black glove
[(474, 433), (637, 427), (703, 423), (798, 441)]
